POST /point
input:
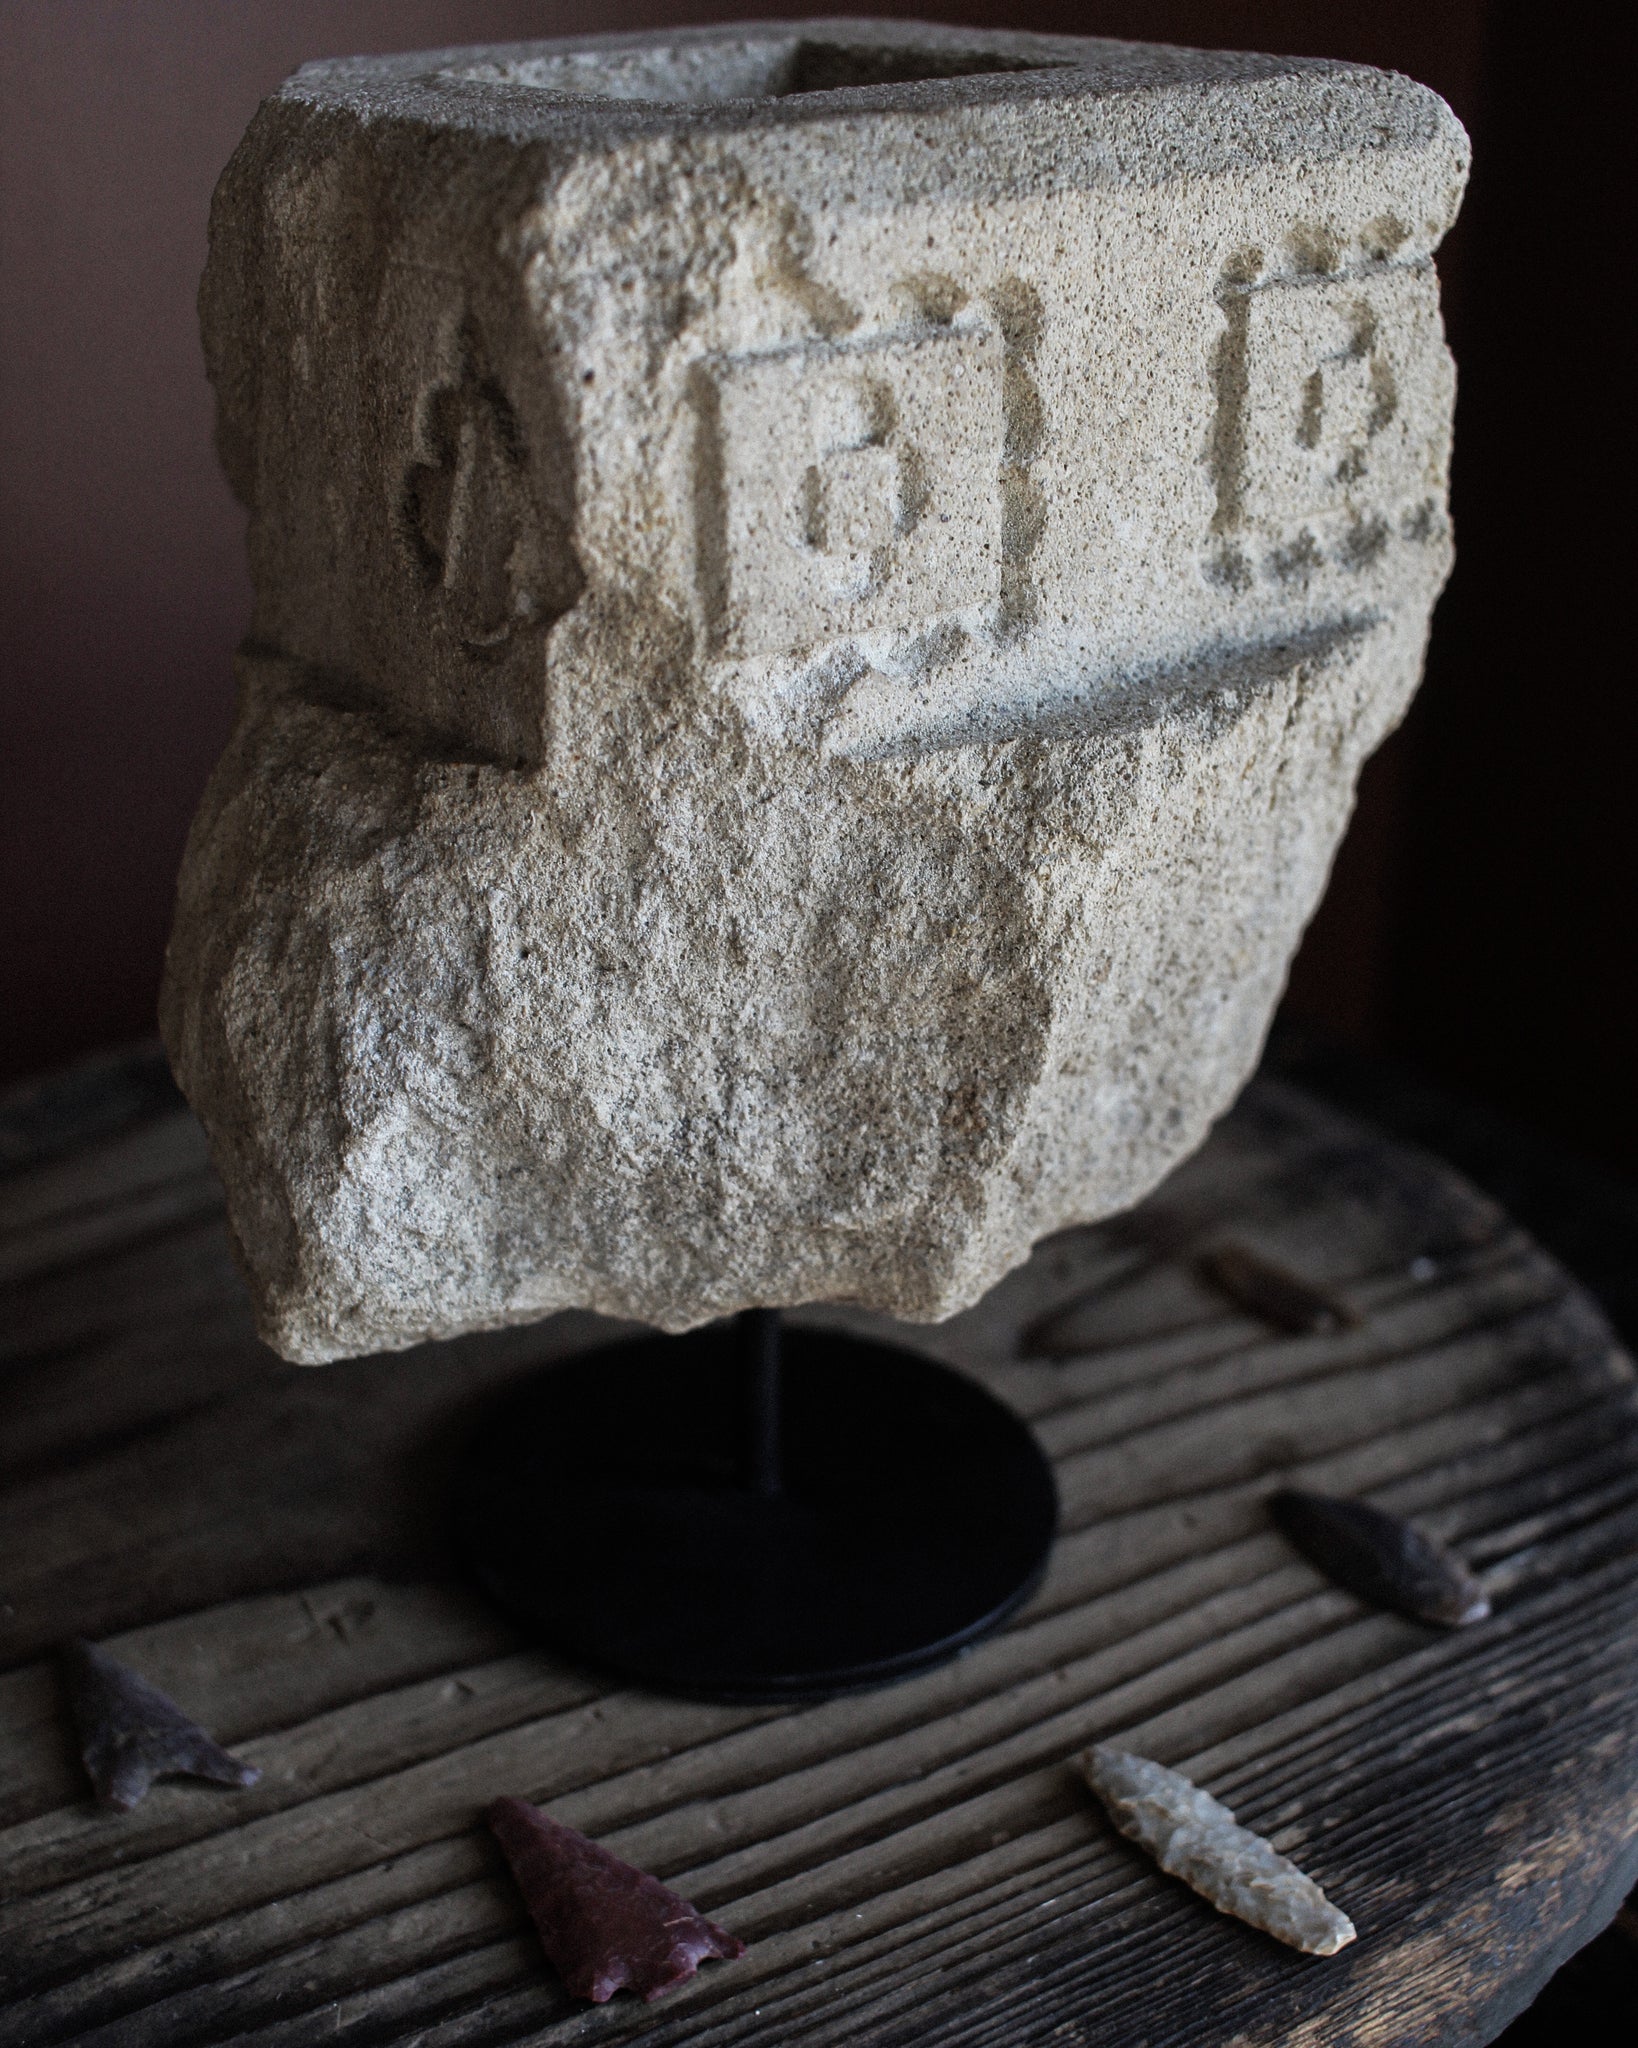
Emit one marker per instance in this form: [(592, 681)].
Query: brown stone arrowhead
[(1380, 1557), (605, 1925)]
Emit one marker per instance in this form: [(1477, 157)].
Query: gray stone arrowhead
[(1195, 1837), (131, 1733)]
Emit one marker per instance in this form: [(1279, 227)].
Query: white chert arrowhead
[(1194, 1837), (821, 590)]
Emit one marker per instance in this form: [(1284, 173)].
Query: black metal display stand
[(756, 1512)]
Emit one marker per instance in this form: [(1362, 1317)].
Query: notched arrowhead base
[(131, 1733)]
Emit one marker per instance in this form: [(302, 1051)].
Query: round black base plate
[(609, 1503)]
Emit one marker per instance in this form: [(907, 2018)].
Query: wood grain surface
[(917, 1865)]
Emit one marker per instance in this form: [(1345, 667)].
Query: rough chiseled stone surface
[(820, 594), (1194, 1837)]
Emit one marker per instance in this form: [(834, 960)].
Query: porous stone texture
[(821, 590)]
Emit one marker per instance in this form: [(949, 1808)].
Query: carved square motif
[(850, 489), (1336, 415)]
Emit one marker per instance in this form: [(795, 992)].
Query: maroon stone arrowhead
[(605, 1926), (131, 1733)]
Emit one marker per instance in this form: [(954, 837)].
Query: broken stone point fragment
[(821, 590), (1381, 1557)]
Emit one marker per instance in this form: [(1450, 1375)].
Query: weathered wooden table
[(916, 1865)]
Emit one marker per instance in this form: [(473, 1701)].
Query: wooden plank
[(911, 1865)]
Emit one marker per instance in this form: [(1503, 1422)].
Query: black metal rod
[(760, 1346)]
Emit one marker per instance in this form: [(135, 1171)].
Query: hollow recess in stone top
[(745, 68)]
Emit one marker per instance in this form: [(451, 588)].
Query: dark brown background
[(1479, 923)]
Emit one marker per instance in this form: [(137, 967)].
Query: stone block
[(821, 591)]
